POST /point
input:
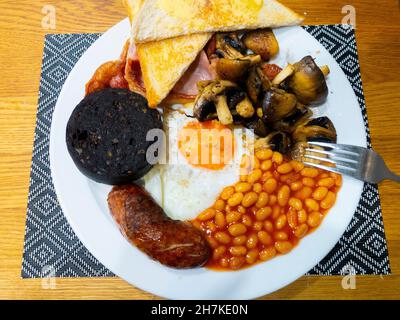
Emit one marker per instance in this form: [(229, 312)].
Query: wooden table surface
[(21, 48)]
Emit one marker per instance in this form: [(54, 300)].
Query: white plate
[(84, 202)]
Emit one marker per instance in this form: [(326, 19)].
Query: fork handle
[(393, 176)]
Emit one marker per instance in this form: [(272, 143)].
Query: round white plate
[(84, 201)]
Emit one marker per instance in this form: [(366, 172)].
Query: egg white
[(182, 190)]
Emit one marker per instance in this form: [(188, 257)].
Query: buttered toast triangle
[(162, 19), (164, 62)]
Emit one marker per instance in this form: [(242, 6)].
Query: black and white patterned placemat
[(52, 246)]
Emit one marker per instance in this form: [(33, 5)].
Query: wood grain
[(21, 49)]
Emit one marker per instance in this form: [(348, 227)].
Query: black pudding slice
[(106, 135)]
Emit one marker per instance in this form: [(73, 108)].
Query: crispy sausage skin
[(143, 222)]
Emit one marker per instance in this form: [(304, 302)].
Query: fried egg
[(203, 158)]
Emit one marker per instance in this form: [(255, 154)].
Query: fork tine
[(338, 147), (335, 155), (349, 165), (332, 169)]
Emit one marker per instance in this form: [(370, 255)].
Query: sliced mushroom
[(223, 112), (245, 108), (262, 42), (256, 83), (204, 108), (228, 45), (278, 141), (231, 69), (277, 104), (318, 129), (281, 76), (290, 122), (258, 126), (308, 82)]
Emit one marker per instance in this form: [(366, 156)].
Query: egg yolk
[(207, 144)]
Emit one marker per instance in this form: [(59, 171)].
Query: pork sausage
[(143, 222)]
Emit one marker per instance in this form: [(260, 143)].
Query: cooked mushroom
[(256, 83), (204, 108), (290, 122), (258, 126), (223, 112), (228, 45), (308, 82), (277, 104), (281, 76), (318, 129), (262, 42), (234, 69), (278, 141)]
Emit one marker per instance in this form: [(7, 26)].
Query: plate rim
[(94, 251)]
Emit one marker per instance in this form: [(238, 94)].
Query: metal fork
[(357, 162)]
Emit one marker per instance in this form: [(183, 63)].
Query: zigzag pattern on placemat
[(50, 241)]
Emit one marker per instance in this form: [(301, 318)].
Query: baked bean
[(311, 204), (219, 252), (320, 193), (262, 200), (220, 220), (328, 201), (338, 179), (281, 236), (242, 187), (296, 204), (239, 240), (309, 172), (285, 168), (267, 253), (264, 238), (238, 251), (281, 222), (256, 163), (222, 237), (219, 205), (196, 224), (263, 213), (249, 199), (297, 165), (252, 256), (257, 187), (295, 186), (252, 241), (266, 165), (326, 182), (243, 177), (254, 176), (314, 219), (283, 246), (292, 218), (207, 214), (236, 262), (301, 231), (227, 193), (235, 199), (211, 226), (309, 182), (268, 226), (270, 185), (247, 221), (276, 212), (266, 175), (283, 195), (233, 216), (272, 199), (264, 154), (241, 209), (258, 225), (302, 216), (213, 243), (303, 193), (237, 229), (277, 158), (224, 262)]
